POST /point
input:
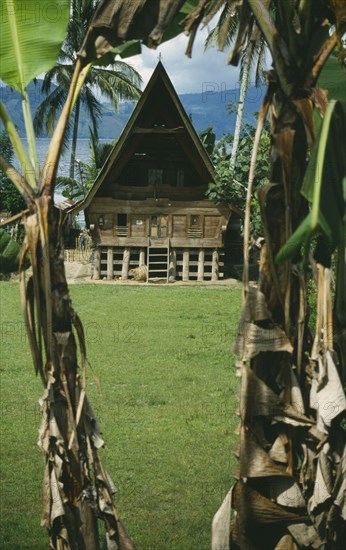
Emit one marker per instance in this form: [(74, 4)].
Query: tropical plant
[(208, 139), (77, 188), (77, 490), (228, 190), (232, 187), (99, 153), (10, 252), (11, 200), (114, 82), (290, 482)]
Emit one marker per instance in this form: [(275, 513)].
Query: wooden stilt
[(142, 257), (125, 267), (172, 265), (110, 263), (200, 271), (96, 265), (186, 256), (215, 266)]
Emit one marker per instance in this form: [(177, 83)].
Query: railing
[(121, 231), (194, 233)]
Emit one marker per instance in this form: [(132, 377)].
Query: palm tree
[(119, 81), (249, 47)]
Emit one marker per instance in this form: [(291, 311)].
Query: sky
[(204, 71)]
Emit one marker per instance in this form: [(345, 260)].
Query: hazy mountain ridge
[(205, 108)]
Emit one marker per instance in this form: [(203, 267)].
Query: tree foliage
[(11, 200), (232, 188), (10, 251), (86, 173)]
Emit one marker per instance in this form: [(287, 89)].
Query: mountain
[(210, 108), (205, 108)]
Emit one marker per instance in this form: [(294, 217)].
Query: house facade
[(148, 206)]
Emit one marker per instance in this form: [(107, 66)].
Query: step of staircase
[(158, 261)]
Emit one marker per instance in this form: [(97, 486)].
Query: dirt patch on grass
[(77, 272), (80, 272)]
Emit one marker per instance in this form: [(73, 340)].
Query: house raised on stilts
[(148, 204)]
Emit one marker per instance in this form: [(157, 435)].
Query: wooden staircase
[(158, 259)]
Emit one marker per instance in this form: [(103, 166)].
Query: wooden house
[(148, 205)]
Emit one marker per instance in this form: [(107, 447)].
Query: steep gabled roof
[(158, 90)]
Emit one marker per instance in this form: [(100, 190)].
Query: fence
[(77, 255)]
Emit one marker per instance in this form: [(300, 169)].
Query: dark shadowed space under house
[(147, 206)]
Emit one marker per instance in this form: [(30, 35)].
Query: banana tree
[(290, 483), (77, 491)]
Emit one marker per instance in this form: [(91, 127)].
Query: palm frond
[(64, 76), (224, 32), (99, 152), (92, 106), (47, 111), (66, 55), (119, 70), (115, 86), (48, 79), (214, 7)]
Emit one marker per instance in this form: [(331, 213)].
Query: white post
[(200, 271), (186, 264), (215, 266), (142, 257), (110, 263), (125, 266), (96, 265), (172, 265)]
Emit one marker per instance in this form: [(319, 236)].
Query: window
[(195, 229), (155, 176), (122, 225), (122, 219), (180, 178)]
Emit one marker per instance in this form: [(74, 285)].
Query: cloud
[(188, 75)]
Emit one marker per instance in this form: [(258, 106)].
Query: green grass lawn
[(162, 383)]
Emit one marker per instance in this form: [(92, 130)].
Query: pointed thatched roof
[(159, 110)]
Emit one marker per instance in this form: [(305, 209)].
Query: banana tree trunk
[(285, 451), (76, 488)]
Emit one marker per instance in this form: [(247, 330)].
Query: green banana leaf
[(174, 28), (31, 35), (9, 253), (323, 187), (127, 49), (333, 78)]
